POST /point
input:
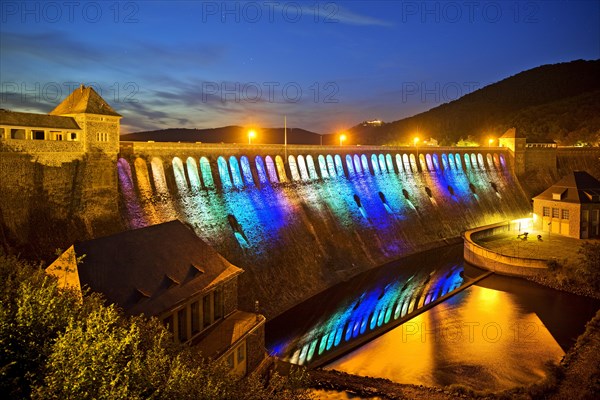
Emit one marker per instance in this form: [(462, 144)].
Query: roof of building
[(153, 269), (14, 118), (512, 134), (84, 100), (542, 141), (226, 334), (577, 187)]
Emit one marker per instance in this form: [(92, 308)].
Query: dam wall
[(300, 219)]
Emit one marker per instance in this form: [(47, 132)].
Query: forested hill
[(558, 101), (228, 134)]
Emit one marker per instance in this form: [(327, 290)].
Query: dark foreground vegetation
[(55, 344)]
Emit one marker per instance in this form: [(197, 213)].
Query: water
[(495, 335)]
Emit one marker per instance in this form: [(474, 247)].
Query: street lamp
[(342, 138), (251, 134), (416, 143), (490, 142)]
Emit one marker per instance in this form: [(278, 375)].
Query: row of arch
[(238, 173)]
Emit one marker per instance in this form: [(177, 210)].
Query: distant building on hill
[(570, 207), (166, 271)]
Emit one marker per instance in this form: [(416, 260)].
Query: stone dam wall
[(297, 219)]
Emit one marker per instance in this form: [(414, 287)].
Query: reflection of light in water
[(374, 308), (481, 337)]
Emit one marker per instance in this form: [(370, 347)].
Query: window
[(230, 360), (17, 133), (102, 137), (38, 135), (73, 136), (206, 311), (565, 214), (182, 325), (218, 293), (58, 136), (546, 211), (241, 353), (1, 133), (555, 213), (195, 317)]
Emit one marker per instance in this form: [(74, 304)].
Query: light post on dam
[(251, 135), (416, 143), (342, 138)]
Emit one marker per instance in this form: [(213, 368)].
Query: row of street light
[(343, 137)]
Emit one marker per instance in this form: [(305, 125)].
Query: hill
[(230, 134), (558, 101)]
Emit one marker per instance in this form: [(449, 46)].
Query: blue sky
[(326, 65)]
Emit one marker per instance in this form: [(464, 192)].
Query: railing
[(494, 261)]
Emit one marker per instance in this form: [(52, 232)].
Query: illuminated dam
[(300, 219)]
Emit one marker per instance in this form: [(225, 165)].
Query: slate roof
[(577, 187), (153, 269), (13, 118), (84, 100)]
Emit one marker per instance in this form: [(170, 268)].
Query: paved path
[(550, 246)]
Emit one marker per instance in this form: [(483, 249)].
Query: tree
[(55, 344)]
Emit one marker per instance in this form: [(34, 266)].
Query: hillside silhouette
[(558, 101)]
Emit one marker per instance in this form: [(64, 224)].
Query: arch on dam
[(480, 161), (413, 163), (422, 163), (350, 165), (158, 173), (246, 171), (303, 169), (445, 161), (490, 161), (312, 170), (436, 162), (143, 177), (330, 166), (390, 163), (496, 161), (224, 173), (236, 176), (206, 173), (323, 166), (293, 168), (192, 170), (375, 164), (474, 163), (406, 163), (179, 174), (428, 162), (365, 164), (467, 161), (281, 169), (272, 171), (261, 170), (339, 165), (382, 165), (357, 164)]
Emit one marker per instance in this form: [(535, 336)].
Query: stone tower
[(515, 142), (99, 122)]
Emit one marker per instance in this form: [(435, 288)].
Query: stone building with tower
[(82, 123), (166, 271), (529, 155)]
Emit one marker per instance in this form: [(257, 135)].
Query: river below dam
[(496, 334)]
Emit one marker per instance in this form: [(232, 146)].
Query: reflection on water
[(482, 337)]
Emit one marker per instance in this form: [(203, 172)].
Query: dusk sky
[(326, 65)]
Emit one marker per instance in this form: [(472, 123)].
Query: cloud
[(346, 16)]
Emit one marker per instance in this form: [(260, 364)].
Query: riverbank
[(576, 377)]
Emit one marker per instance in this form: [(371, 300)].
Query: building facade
[(570, 207)]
